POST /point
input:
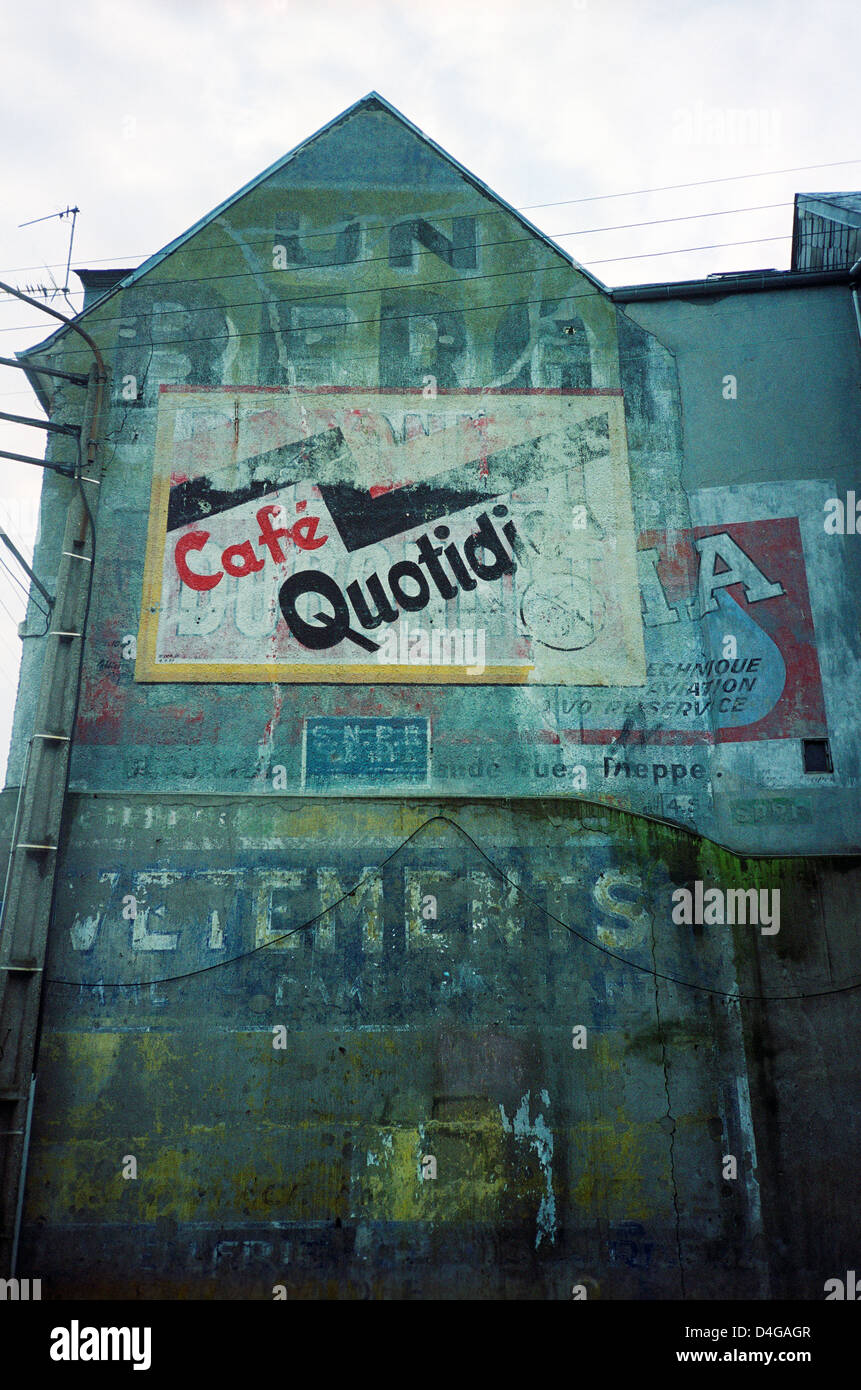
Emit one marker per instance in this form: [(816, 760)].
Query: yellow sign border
[(149, 670)]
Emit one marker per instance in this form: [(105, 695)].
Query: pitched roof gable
[(366, 173)]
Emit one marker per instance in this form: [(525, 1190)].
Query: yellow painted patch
[(616, 1168)]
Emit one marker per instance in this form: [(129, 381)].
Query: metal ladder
[(35, 845)]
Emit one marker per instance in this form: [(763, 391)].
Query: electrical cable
[(414, 252), (13, 531), (595, 945), (14, 655), (25, 635), (15, 580), (418, 286), (374, 357), (354, 323), (699, 183), (13, 620), (29, 597), (530, 207)]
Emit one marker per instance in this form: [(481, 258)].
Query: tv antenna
[(67, 212)]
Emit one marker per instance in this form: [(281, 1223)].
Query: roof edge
[(371, 99), (738, 282)]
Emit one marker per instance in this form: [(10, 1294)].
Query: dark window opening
[(816, 753)]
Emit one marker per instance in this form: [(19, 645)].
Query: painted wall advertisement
[(359, 536), (729, 635)]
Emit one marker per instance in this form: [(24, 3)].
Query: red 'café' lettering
[(239, 560)]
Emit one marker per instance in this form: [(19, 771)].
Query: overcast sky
[(146, 115)]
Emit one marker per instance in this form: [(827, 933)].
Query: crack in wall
[(670, 1116)]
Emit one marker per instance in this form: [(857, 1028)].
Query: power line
[(532, 207), (28, 596), (374, 357), (331, 294), (521, 892), (18, 598), (715, 246), (353, 323), (13, 576), (27, 548), (13, 654), (25, 635), (160, 284), (412, 288), (4, 517), (14, 621), (700, 183), (487, 245)]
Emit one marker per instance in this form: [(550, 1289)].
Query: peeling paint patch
[(540, 1137)]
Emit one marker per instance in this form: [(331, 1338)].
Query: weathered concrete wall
[(217, 806), (803, 1050), (435, 1012), (795, 357)]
